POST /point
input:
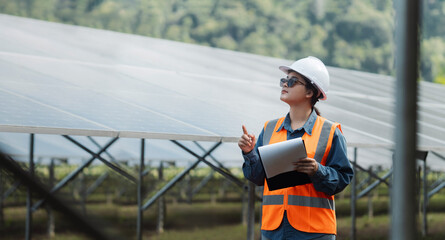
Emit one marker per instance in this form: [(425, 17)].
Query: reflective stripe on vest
[(268, 131), (311, 202), (273, 199), (323, 141), (307, 209), (299, 201)]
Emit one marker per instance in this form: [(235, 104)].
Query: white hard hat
[(313, 69)]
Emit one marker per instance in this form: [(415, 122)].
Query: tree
[(356, 34), (432, 65)]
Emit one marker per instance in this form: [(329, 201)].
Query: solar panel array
[(61, 79)]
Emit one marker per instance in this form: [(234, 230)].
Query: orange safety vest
[(308, 210)]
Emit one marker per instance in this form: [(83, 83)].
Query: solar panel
[(60, 79)]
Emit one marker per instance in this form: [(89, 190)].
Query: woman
[(305, 211)]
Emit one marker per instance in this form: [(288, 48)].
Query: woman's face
[(296, 94)]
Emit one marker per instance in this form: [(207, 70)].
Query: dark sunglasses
[(290, 82)]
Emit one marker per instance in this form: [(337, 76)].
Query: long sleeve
[(337, 173), (252, 167)]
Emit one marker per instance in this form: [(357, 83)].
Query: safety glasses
[(290, 82)]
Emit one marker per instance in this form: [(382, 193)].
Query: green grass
[(191, 221), (199, 220)]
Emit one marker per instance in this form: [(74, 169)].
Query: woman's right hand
[(246, 141)]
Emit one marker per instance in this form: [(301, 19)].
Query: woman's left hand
[(306, 165)]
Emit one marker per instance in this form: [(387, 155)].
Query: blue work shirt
[(330, 179)]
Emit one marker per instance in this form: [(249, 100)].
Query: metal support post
[(244, 205), (28, 229), (425, 199), (82, 192), (2, 183), (251, 211), (187, 188), (354, 198), (140, 192), (161, 203), (370, 198), (418, 190), (49, 210), (403, 218)]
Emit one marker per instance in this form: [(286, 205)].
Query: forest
[(349, 34)]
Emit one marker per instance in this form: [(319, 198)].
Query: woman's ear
[(309, 93)]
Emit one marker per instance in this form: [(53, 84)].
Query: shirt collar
[(308, 125)]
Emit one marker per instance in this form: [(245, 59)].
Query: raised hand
[(246, 141)]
